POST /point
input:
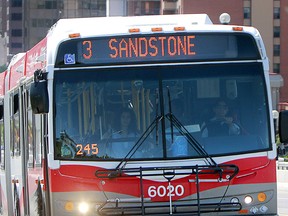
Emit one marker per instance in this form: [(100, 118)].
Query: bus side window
[(45, 134), (38, 140), (30, 133), (14, 125), (2, 140)]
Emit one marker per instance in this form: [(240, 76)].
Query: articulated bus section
[(153, 115)]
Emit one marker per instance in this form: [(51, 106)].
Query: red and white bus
[(65, 149)]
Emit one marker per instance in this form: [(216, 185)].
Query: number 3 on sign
[(87, 46), (162, 191), (88, 149)]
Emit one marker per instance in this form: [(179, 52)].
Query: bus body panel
[(253, 179)]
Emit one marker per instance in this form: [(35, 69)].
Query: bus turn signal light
[(69, 206), (262, 197)]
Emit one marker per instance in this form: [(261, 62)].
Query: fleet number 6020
[(162, 191)]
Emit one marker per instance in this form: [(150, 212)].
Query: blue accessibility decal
[(69, 59)]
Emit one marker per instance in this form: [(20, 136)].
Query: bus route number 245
[(162, 192)]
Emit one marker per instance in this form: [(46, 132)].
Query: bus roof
[(93, 23), (107, 26)]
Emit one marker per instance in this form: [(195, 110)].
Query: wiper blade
[(157, 106), (170, 112), (191, 140), (183, 131), (155, 124), (139, 142)]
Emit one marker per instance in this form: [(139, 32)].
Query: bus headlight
[(83, 207), (248, 199)]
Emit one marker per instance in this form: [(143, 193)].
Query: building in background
[(3, 47), (138, 8), (116, 7), (268, 17), (24, 23)]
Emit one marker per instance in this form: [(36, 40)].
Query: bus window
[(2, 140), (167, 105), (30, 133), (14, 124), (38, 140)]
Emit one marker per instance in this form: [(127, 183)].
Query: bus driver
[(220, 124)]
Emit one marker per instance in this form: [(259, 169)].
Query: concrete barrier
[(282, 176), (281, 164), (282, 171)]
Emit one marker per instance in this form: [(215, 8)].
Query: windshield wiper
[(183, 131), (147, 132), (191, 140), (170, 111), (157, 105), (155, 124), (117, 171)]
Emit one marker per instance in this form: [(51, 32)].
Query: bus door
[(35, 129), (25, 148), (3, 199), (15, 152), (32, 145)]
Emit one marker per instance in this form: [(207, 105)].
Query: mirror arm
[(40, 75)]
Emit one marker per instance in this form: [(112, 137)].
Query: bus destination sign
[(152, 48), (143, 47)]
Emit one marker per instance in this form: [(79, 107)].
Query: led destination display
[(157, 48)]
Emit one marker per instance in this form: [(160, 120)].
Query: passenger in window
[(220, 124), (125, 134)]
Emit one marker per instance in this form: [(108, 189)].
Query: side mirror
[(283, 126), (39, 94)]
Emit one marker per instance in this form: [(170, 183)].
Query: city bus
[(148, 115)]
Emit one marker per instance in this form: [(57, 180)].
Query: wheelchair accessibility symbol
[(69, 59)]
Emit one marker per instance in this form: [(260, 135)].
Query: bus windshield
[(164, 112)]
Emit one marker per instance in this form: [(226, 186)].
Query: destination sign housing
[(157, 48)]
